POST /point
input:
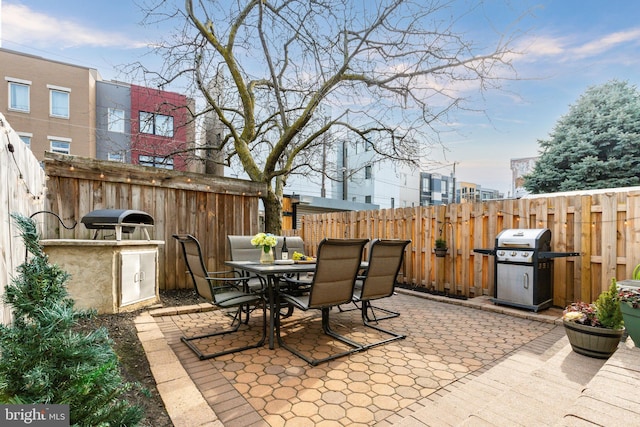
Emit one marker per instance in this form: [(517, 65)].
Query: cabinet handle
[(525, 280), (143, 276)]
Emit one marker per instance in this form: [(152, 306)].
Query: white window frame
[(58, 144), (11, 82), (26, 138), (59, 90), (116, 156), (115, 120)]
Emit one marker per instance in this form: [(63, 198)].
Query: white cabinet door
[(137, 275)]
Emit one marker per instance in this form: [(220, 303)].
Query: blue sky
[(567, 45)]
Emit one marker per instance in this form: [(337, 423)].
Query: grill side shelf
[(548, 255), (485, 251)]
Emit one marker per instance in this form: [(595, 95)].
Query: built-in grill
[(120, 220), (524, 268)]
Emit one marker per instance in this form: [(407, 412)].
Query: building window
[(367, 172), (26, 138), (115, 120), (426, 183), (156, 161), (393, 203), (19, 95), (117, 156), (367, 199), (59, 101), (59, 146), (156, 124)]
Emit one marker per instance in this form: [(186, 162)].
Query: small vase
[(266, 255), (631, 318)]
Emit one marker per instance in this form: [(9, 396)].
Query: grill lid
[(107, 219), (121, 220), (522, 238)]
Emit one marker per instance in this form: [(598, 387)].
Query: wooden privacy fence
[(603, 226), (208, 207)]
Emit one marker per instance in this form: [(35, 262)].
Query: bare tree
[(388, 71)]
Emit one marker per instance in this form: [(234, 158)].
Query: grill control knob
[(525, 254), (514, 253), (501, 253)]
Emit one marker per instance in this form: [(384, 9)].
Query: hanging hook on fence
[(443, 223)]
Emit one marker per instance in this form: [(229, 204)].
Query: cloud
[(23, 25), (608, 42), (575, 47)]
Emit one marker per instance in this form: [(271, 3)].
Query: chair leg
[(328, 331), (342, 310), (366, 321), (238, 317), (371, 308), (289, 310)]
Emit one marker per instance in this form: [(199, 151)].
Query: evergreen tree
[(44, 360), (596, 145)]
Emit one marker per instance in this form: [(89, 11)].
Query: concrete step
[(531, 387)]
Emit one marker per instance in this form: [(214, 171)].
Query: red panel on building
[(160, 121)]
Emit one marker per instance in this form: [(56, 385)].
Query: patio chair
[(223, 289), (293, 284), (385, 260), (241, 249), (356, 302), (333, 283)]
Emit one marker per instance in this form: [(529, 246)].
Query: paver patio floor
[(261, 387)]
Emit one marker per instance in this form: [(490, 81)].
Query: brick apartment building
[(69, 109)]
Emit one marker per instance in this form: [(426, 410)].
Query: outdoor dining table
[(272, 273)]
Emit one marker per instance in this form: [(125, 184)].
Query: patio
[(423, 377)]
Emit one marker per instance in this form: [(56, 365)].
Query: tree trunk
[(272, 211)]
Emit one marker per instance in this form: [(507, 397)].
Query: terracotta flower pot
[(592, 341)]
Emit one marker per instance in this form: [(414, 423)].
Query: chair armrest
[(241, 280)]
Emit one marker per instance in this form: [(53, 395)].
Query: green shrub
[(608, 307), (44, 360)]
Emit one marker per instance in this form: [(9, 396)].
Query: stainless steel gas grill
[(524, 268), (120, 220)]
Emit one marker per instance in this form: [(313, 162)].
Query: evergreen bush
[(608, 308), (43, 360)]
